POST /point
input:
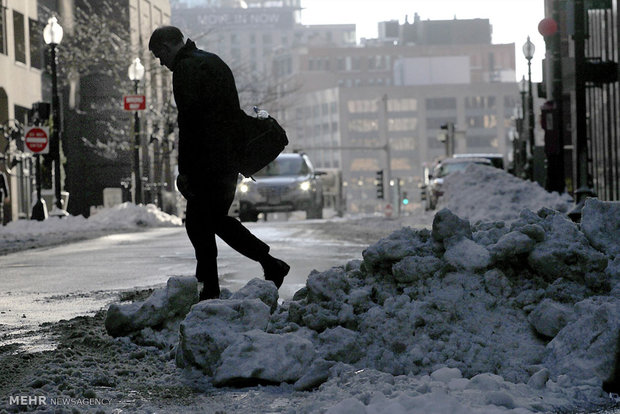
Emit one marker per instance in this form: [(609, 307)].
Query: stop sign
[(37, 140)]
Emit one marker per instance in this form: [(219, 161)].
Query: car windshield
[(446, 169), (287, 166)]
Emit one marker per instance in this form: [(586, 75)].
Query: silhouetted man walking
[(209, 130)]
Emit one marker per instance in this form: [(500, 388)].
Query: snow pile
[(127, 216), (486, 193), (461, 319), (163, 310)]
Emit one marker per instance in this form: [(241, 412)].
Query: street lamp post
[(136, 73), (52, 34), (528, 52), (520, 150)]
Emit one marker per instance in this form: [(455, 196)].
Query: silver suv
[(289, 183)]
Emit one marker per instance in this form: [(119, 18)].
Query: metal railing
[(603, 99)]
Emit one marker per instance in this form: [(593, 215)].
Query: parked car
[(289, 183), (442, 169), (496, 159)]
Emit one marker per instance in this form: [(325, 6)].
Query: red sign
[(37, 140), (134, 102)]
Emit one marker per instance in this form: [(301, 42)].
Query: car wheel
[(315, 211), (247, 214)]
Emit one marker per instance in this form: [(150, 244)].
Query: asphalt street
[(49, 284)]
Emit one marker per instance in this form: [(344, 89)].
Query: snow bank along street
[(22, 234), (516, 313)]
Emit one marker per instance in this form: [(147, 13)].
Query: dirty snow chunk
[(497, 284), (500, 398), (213, 325), (487, 233), (467, 254), (260, 357), (340, 344), (413, 268), (565, 252), (586, 347), (401, 243), (447, 225), (446, 374), (539, 379), (174, 301), (600, 222), (316, 375), (332, 284), (261, 289), (549, 317), (510, 245)]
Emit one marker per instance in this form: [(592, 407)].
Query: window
[(363, 125), (487, 102), (402, 124), (440, 103), (436, 123), (3, 45), (36, 43), (402, 105), (362, 106), (20, 37)]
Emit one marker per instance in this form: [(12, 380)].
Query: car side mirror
[(320, 173)]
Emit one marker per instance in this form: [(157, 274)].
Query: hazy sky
[(512, 20)]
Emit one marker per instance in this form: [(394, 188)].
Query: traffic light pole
[(388, 155)]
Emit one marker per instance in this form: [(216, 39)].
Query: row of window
[(411, 105), (307, 112), (35, 31), (372, 105), (350, 63)]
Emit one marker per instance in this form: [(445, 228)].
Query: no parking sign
[(37, 140)]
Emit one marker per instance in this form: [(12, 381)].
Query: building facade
[(21, 67), (97, 133), (394, 90)]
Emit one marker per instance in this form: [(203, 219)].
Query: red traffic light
[(547, 27)]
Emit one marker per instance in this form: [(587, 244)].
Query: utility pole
[(388, 155)]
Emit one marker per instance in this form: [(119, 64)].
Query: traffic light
[(405, 198), (379, 184), (39, 113)]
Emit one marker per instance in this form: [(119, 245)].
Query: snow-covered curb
[(21, 234)]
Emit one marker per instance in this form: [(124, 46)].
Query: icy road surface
[(50, 284)]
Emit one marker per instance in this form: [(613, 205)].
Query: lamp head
[(52, 34), (528, 49), (136, 70)]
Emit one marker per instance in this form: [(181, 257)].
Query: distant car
[(496, 159), (289, 183), (444, 168)]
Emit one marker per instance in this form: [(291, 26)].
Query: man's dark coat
[(209, 115)]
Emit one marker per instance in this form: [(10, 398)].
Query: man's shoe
[(275, 271)]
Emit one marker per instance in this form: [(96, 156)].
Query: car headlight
[(244, 188), (305, 186)]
